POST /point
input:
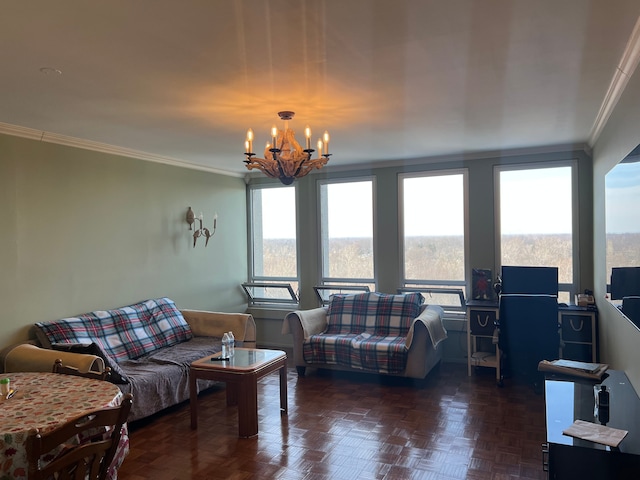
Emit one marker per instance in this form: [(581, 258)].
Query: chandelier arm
[(302, 164)]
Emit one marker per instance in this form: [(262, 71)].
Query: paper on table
[(596, 433)]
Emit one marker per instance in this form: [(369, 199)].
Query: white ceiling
[(181, 81)]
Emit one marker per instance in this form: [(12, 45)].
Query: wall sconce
[(202, 231)]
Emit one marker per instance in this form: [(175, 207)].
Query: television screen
[(530, 280), (625, 282)]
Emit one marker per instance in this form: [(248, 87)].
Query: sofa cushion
[(380, 354), (376, 313), (328, 349), (160, 379), (376, 353), (123, 333)]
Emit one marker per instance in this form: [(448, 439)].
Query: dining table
[(45, 401)]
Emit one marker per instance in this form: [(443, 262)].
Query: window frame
[(284, 282), (257, 300), (571, 288), (432, 285), (337, 289), (345, 281)]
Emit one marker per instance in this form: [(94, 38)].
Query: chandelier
[(284, 158)]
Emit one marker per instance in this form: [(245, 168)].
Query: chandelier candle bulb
[(274, 136), (319, 148), (249, 142), (326, 142), (307, 134)]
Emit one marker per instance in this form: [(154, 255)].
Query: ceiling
[(180, 82)]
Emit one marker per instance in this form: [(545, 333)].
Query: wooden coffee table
[(241, 374)]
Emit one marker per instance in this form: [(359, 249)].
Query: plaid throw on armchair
[(366, 331)]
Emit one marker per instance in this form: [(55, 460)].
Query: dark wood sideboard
[(567, 400)]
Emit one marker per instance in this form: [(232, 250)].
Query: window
[(325, 292), (433, 216), (346, 232), (536, 220), (273, 246)]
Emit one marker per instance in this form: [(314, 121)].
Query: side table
[(482, 346), (579, 329)]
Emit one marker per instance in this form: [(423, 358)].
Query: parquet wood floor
[(343, 426)]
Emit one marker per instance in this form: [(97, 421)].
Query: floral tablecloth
[(45, 401)]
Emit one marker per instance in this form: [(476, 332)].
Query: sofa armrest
[(215, 324), (26, 357)]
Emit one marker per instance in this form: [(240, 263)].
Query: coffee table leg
[(232, 394), (193, 399), (283, 388), (248, 407)]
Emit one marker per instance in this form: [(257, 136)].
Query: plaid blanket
[(361, 351), (375, 313), (124, 333), (366, 331)]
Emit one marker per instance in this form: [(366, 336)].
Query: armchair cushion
[(372, 312)]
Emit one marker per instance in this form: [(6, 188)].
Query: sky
[(527, 200)]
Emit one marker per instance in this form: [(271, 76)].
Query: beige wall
[(619, 338), (82, 230)]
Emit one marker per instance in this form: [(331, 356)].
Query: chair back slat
[(89, 460)]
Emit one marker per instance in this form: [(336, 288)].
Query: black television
[(625, 282), (529, 280)]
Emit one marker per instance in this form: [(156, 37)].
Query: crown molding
[(42, 136), (624, 70)]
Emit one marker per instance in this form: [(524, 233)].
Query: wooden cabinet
[(579, 333), (482, 337)]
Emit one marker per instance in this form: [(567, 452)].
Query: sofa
[(148, 346), (369, 332)]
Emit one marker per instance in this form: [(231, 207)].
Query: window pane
[(433, 218), (274, 232), (536, 219), (270, 292), (347, 230)]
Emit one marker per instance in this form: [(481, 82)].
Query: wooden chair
[(89, 460), (58, 367)]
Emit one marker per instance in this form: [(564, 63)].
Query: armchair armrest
[(310, 322), (302, 324), (30, 358), (431, 317), (215, 324)]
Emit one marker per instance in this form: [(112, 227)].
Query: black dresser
[(567, 400)]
